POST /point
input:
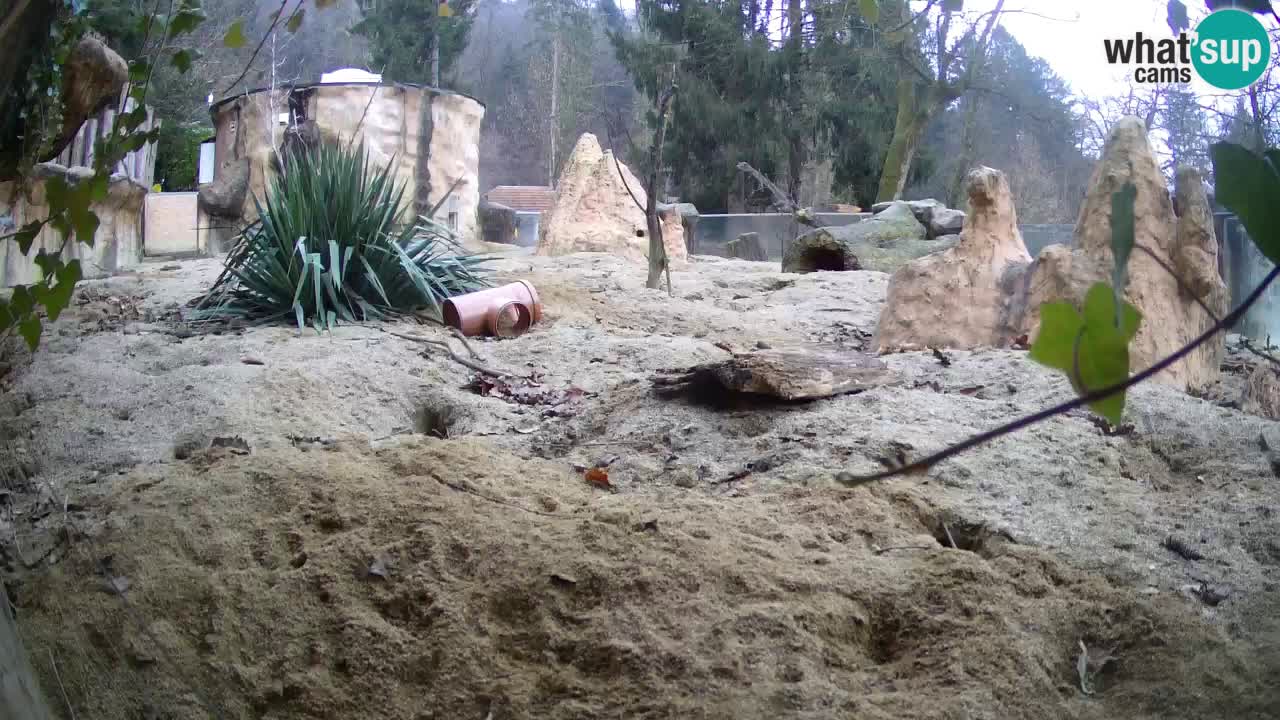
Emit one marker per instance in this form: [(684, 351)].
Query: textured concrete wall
[(116, 246), (429, 138), (171, 224)]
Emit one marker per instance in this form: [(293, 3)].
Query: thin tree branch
[(263, 41)]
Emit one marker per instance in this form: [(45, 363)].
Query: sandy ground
[(370, 537)]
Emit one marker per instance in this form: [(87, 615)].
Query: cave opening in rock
[(818, 259)]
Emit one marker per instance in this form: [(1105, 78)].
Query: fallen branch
[(882, 551), (780, 199), (465, 362), (464, 489)]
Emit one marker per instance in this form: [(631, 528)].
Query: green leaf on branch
[(870, 11), (139, 69), (22, 302), (134, 118), (30, 329), (235, 35), (322, 4), (57, 298), (1122, 233), (84, 221), (183, 58), (295, 20), (26, 236), (1091, 348), (1248, 185), (186, 20), (99, 186)]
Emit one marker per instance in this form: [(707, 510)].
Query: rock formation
[(938, 219), (987, 292), (746, 247), (597, 209), (962, 297), (1171, 314), (1262, 392), (882, 243)]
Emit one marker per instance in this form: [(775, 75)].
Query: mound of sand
[(319, 562), (440, 579)]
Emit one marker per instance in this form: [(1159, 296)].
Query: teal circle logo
[(1232, 49)]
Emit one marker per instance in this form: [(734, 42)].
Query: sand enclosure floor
[(373, 536)]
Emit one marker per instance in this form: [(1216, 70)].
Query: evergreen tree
[(402, 37)]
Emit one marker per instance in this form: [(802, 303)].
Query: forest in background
[(810, 92)]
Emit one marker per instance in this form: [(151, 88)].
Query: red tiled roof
[(523, 198)]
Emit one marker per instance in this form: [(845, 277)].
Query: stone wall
[(429, 137), (116, 246)]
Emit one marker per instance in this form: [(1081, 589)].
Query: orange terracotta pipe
[(505, 311)]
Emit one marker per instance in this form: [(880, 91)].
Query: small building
[(530, 202), (430, 137)]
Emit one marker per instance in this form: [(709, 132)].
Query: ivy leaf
[(235, 35), (870, 10), (1060, 322), (98, 186), (22, 302), (26, 236), (322, 4), (58, 297), (136, 117), (183, 58), (138, 70), (1091, 348), (187, 19), (295, 20), (85, 223), (1122, 231), (1248, 185), (1177, 17), (48, 263), (56, 193), (30, 329)]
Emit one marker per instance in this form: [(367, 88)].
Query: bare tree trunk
[(435, 58), (554, 132), (1259, 137), (657, 248), (955, 193), (907, 129)]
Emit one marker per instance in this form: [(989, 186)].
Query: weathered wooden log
[(785, 374)]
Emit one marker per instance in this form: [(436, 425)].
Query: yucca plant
[(329, 245)]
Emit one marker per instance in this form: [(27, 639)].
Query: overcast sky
[(1069, 34)]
